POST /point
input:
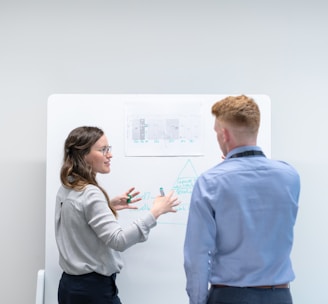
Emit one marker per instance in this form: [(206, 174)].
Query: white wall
[(276, 48)]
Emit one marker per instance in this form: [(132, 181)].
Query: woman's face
[(99, 156)]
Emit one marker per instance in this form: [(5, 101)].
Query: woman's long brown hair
[(75, 172)]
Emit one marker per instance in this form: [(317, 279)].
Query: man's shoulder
[(216, 170), (283, 165)]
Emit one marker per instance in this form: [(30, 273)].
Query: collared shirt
[(88, 235), (240, 224)]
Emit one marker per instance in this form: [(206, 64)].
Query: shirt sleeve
[(102, 220), (199, 245)]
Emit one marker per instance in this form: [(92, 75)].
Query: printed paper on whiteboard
[(155, 132)]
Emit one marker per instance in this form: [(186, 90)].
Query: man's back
[(254, 200), (241, 217)]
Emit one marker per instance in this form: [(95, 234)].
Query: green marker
[(129, 199), (161, 191)]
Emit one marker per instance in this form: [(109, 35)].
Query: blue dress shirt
[(240, 224)]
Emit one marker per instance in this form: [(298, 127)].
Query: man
[(242, 213)]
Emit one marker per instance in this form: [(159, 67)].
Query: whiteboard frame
[(67, 111)]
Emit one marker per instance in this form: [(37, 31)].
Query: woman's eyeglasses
[(105, 150)]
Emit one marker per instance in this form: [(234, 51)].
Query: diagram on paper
[(169, 134)]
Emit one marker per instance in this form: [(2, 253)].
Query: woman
[(88, 235)]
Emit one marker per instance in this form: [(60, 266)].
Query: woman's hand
[(125, 200), (164, 204)]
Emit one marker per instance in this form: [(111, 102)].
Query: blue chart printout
[(155, 133)]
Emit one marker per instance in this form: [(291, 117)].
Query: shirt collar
[(242, 149)]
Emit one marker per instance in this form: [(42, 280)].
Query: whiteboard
[(153, 269)]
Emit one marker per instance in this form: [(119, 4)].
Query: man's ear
[(226, 135)]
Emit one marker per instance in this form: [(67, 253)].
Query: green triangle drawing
[(186, 179)]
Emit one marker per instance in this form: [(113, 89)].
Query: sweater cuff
[(150, 220)]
